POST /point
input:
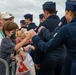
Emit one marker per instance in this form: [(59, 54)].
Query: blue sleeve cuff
[(35, 38), (38, 43)]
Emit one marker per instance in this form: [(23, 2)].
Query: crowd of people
[(50, 47)]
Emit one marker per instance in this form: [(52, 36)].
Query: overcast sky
[(20, 7)]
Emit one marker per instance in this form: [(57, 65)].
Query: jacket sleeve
[(46, 34), (38, 53), (38, 56), (57, 40)]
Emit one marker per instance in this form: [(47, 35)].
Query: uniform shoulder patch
[(55, 34), (60, 23)]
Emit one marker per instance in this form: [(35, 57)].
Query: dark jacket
[(49, 34), (50, 23), (66, 35), (31, 26)]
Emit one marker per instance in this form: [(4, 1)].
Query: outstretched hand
[(30, 34), (39, 29)]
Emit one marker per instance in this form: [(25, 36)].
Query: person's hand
[(22, 55), (16, 57), (24, 35), (27, 48), (23, 30), (27, 35), (32, 33), (37, 66), (33, 48), (39, 29)]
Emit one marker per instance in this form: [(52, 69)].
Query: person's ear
[(70, 13), (6, 32), (46, 12)]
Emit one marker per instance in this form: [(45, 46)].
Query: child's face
[(9, 33)]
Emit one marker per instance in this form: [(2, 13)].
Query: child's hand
[(40, 29), (27, 48), (16, 57), (37, 66)]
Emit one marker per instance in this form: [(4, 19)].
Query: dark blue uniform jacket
[(31, 26), (66, 35), (50, 23)]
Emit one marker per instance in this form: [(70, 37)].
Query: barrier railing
[(6, 64)]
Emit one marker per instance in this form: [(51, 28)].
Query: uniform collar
[(53, 17), (73, 20), (31, 23)]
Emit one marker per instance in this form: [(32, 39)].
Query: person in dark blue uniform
[(47, 35), (71, 0), (30, 25), (22, 23), (63, 21), (28, 20), (66, 35), (49, 9), (54, 59), (36, 58), (41, 18)]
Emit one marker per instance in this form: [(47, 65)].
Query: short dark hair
[(74, 13), (51, 11), (23, 22), (31, 19)]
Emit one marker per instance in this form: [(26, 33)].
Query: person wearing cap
[(4, 17), (71, 0), (53, 59), (29, 21), (66, 35), (7, 17), (47, 33), (30, 25), (12, 18), (62, 22), (22, 23), (52, 20), (41, 18)]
